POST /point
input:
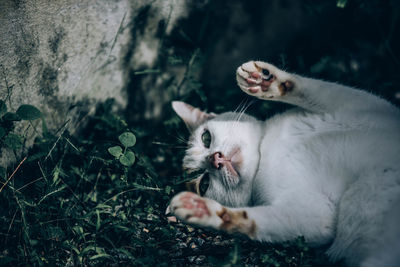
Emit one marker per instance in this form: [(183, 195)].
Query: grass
[(70, 202)]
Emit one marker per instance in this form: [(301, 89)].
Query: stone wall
[(65, 56)]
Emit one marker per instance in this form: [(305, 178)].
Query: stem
[(12, 175)]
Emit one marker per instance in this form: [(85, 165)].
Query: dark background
[(357, 45)]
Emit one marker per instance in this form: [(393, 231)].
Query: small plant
[(125, 156), (8, 138)]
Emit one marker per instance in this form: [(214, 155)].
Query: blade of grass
[(12, 175)]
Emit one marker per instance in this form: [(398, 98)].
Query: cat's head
[(225, 148)]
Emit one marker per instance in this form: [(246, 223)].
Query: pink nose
[(217, 160)]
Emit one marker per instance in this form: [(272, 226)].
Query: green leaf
[(3, 172), (116, 151), (341, 3), (33, 242), (122, 228), (36, 156), (13, 141), (127, 159), (2, 132), (88, 248), (28, 112), (103, 206), (168, 189), (3, 108), (44, 127), (127, 253), (98, 221), (9, 116), (6, 261), (128, 139), (148, 71), (173, 60), (102, 255)]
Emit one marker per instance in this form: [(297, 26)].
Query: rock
[(64, 57)]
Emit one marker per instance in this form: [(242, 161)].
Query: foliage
[(70, 202), (126, 157), (8, 138)]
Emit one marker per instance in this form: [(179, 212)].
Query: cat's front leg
[(265, 81), (204, 212), (273, 223)]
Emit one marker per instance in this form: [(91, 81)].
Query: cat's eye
[(206, 138)]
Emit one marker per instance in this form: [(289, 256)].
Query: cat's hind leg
[(368, 223)]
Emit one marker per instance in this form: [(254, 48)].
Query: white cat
[(328, 170)]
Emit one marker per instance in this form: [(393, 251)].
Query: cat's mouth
[(231, 169), (235, 161), (230, 165)]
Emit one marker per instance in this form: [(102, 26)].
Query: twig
[(119, 31), (51, 193), (149, 71), (25, 185), (73, 146), (12, 175), (160, 45), (9, 227), (58, 139), (138, 187), (7, 86), (41, 170), (187, 71)]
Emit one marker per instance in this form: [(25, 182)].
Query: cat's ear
[(193, 117)]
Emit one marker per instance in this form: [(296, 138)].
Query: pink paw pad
[(254, 90), (256, 75), (259, 81), (192, 201)]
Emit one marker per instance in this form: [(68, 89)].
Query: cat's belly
[(311, 150)]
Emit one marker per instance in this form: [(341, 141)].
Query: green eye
[(206, 138)]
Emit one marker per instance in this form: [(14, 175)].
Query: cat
[(327, 170)]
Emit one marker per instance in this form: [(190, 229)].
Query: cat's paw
[(206, 212), (264, 80), (197, 210)]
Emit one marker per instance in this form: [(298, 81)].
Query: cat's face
[(226, 148)]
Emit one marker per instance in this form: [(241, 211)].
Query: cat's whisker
[(242, 111), (169, 145), (244, 105), (245, 108), (180, 138), (241, 108), (241, 105)]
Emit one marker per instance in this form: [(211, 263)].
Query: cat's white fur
[(328, 170)]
